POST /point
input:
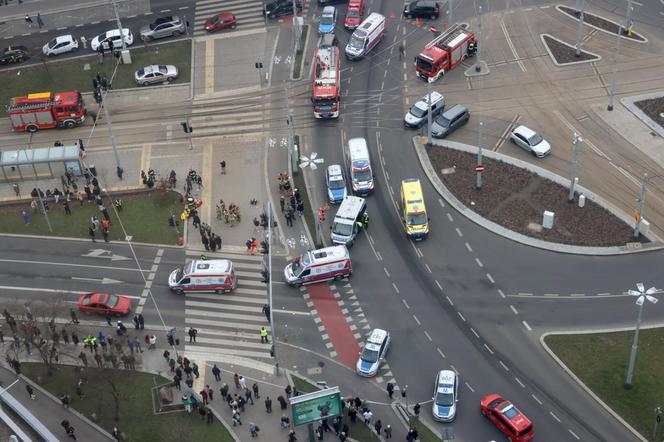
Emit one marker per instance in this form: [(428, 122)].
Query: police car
[(336, 185), (445, 396), (373, 353)]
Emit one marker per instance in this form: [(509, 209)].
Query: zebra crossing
[(228, 116), (249, 13), (228, 325)]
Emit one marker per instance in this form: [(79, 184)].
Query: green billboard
[(312, 407)]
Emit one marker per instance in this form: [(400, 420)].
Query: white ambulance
[(366, 36), (209, 275), (319, 265)]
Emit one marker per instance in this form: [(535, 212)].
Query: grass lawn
[(600, 361), (136, 417), (77, 73), (358, 430), (144, 216), (425, 435)]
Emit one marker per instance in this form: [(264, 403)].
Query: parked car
[(104, 304), (354, 14), (422, 9), (170, 26), (531, 141), (223, 20), (14, 54), (279, 8), (509, 420), (156, 73), (328, 20), (112, 37), (336, 184), (449, 121), (60, 45), (445, 396)]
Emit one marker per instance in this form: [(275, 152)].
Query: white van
[(213, 275), (344, 227), (361, 174), (319, 265), (366, 36), (417, 115)]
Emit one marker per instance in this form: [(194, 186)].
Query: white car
[(373, 353), (156, 73), (531, 141), (445, 396), (112, 36), (60, 45)]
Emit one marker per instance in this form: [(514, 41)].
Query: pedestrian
[(98, 360), (206, 242), (26, 217), (402, 51), (416, 409), (325, 425), (186, 402), (390, 389), (210, 416), (65, 335), (192, 334), (100, 54), (30, 391), (236, 418), (74, 337), (17, 189), (28, 21), (242, 383), (253, 429), (255, 389), (65, 204), (216, 372), (217, 242), (263, 334), (40, 22), (204, 396), (171, 364), (241, 402), (91, 232), (291, 436), (84, 42), (64, 400), (336, 424), (388, 431), (378, 426), (236, 379), (108, 320), (141, 321), (288, 390), (224, 391), (210, 392), (194, 368), (320, 432), (247, 396), (367, 416), (285, 421), (282, 402), (268, 405), (289, 217), (222, 164), (135, 320), (167, 355), (412, 435), (342, 437)]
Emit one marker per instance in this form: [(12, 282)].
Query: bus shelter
[(43, 162)]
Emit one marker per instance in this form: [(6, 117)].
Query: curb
[(304, 51), (518, 237), (559, 9), (584, 386), (630, 104), (571, 63)]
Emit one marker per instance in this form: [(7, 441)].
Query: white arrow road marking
[(103, 280), (101, 253)]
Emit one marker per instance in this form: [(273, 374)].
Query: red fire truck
[(445, 52), (45, 110), (326, 82)]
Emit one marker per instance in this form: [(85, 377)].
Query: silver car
[(164, 27), (156, 73), (531, 141)]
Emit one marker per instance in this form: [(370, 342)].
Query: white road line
[(395, 287), (470, 249), (427, 335), (511, 45), (469, 387), (440, 352), (428, 268), (570, 430), (525, 324), (459, 233), (514, 310), (536, 399), (519, 382), (490, 278), (479, 263), (488, 348), (502, 295), (461, 316), (577, 295), (502, 364), (524, 294), (603, 294), (554, 416), (386, 272), (474, 332), (417, 320), (442, 203), (405, 303), (439, 286), (450, 217), (449, 300)]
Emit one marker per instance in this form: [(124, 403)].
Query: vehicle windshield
[(444, 399), (327, 20), (356, 43), (362, 174), (178, 274), (417, 220), (337, 184), (112, 301), (325, 102), (353, 13), (423, 65), (342, 229), (52, 43), (369, 355), (141, 72), (535, 140), (215, 19), (296, 267), (442, 121), (418, 112), (511, 412)]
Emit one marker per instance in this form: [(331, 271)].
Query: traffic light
[(186, 127)]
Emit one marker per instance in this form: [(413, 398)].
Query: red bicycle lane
[(335, 323)]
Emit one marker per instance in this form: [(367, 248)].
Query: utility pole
[(478, 173), (269, 287), (658, 418), (109, 124), (579, 34), (117, 19), (575, 153), (642, 201), (450, 13), (429, 117), (478, 65), (616, 54)]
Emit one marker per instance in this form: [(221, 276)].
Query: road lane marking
[(405, 303), (490, 278), (417, 320), (461, 316), (511, 45), (469, 248), (38, 289), (469, 387), (449, 300), (474, 332), (525, 324), (428, 268), (514, 310), (442, 204), (440, 352), (536, 399), (570, 430), (554, 416), (68, 264), (479, 263), (506, 133), (488, 348), (386, 272), (459, 232), (395, 287), (502, 295), (502, 364), (519, 382), (428, 336), (439, 286), (450, 217)]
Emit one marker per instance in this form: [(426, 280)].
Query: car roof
[(446, 377), (166, 19), (61, 38), (525, 131), (377, 336), (334, 170), (329, 10)]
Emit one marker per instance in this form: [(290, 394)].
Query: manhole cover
[(321, 364)]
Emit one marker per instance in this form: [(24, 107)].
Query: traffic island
[(602, 24), (598, 361), (563, 54), (654, 109)]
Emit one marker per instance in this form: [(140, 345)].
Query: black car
[(14, 54), (279, 8), (421, 9)]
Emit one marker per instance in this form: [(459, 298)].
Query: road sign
[(479, 168), (312, 407)]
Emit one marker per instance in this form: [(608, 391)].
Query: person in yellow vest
[(264, 336)]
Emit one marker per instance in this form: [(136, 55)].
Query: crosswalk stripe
[(228, 351), (225, 306), (229, 297), (242, 291), (193, 313), (236, 343), (248, 266), (231, 333), (249, 282), (246, 274), (233, 360), (222, 325)]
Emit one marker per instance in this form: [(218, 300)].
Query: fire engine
[(445, 52), (46, 110), (326, 82)]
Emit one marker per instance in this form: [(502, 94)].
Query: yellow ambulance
[(414, 212)]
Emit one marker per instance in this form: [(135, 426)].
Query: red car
[(223, 20), (507, 418), (104, 303), (354, 14)]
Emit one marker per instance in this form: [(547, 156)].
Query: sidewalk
[(48, 410)]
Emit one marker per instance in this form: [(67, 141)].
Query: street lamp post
[(642, 296), (658, 418)]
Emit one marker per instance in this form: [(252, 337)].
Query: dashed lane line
[(440, 352), (490, 278), (488, 348), (428, 336), (514, 310), (479, 263), (469, 387), (474, 332), (502, 364), (554, 416), (417, 320), (518, 381), (570, 430), (461, 316), (449, 216), (438, 284), (525, 324), (405, 303), (536, 399), (502, 295), (451, 303), (469, 248)]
